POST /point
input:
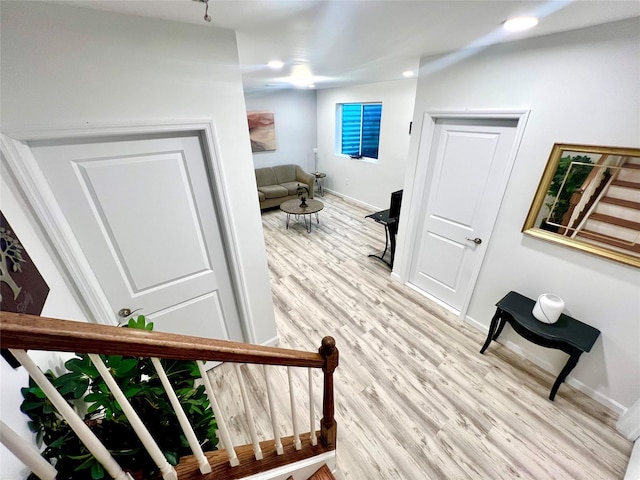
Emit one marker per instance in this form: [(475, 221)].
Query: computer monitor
[(396, 202)]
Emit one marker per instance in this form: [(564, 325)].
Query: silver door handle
[(476, 240), (126, 312)]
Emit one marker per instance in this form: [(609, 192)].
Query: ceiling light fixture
[(408, 74), (301, 75), (275, 64), (312, 85), (519, 24)]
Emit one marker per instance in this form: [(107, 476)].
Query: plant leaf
[(95, 397), (57, 442), (88, 463), (27, 406), (126, 366), (132, 391), (172, 457), (80, 389), (97, 472)]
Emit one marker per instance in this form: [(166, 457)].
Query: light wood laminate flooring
[(414, 397)]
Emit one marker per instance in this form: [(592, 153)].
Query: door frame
[(22, 164), (419, 175)]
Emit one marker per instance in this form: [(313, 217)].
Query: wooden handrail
[(30, 332), (592, 174)]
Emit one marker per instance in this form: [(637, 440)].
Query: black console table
[(390, 231), (567, 334)]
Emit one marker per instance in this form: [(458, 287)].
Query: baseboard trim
[(355, 201), (599, 397), (629, 424), (435, 300)]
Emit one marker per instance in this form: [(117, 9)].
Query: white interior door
[(470, 161), (142, 210)]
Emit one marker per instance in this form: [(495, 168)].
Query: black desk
[(390, 231), (567, 334)]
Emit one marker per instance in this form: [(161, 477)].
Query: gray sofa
[(279, 184)]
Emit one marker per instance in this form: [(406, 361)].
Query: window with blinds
[(360, 129)]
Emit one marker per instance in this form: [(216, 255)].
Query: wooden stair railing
[(611, 219), (20, 332), (585, 196)]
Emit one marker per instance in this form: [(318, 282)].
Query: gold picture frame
[(589, 199)]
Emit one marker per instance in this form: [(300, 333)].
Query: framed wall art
[(262, 131), (589, 199)]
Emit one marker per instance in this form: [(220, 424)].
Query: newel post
[(328, 427)]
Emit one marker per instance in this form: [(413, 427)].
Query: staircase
[(276, 458), (614, 220)]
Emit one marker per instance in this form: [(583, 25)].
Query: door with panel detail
[(143, 212), (471, 161)]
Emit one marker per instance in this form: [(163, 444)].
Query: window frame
[(362, 124)]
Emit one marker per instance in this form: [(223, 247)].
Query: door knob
[(476, 240), (126, 312)]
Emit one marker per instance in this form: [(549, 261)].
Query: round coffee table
[(292, 207)]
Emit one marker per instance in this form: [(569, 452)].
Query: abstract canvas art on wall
[(262, 131)]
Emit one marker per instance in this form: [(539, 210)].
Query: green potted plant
[(84, 389), (561, 195)]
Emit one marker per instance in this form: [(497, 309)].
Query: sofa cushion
[(292, 187), (285, 173), (261, 196), (265, 176), (273, 191)]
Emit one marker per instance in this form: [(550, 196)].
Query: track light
[(207, 18)]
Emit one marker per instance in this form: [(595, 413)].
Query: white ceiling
[(341, 42)]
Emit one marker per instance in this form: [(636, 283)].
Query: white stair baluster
[(249, 411), (168, 472), (222, 425), (97, 449), (294, 416), (203, 464), (272, 410), (312, 412), (26, 453)]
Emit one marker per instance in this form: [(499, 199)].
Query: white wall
[(295, 119), (60, 303), (65, 65), (366, 182), (73, 66), (581, 87)]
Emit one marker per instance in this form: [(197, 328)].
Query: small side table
[(390, 231), (320, 178), (567, 334)]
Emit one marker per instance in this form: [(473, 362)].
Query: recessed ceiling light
[(312, 85), (520, 23), (408, 74), (275, 64)]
